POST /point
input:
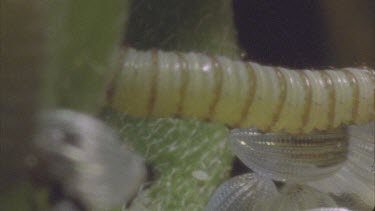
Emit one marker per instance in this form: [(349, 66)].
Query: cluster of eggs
[(318, 171)]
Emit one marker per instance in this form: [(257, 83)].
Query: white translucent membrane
[(86, 158), (355, 182), (294, 197), (291, 158), (246, 192)]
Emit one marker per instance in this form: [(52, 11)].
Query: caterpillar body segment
[(242, 94)]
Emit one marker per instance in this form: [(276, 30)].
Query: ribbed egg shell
[(356, 180), (291, 158), (243, 193), (294, 197), (361, 159)]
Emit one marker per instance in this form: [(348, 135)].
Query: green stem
[(21, 61), (83, 39)]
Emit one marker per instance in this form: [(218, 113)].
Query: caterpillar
[(240, 94)]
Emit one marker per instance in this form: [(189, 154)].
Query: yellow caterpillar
[(241, 94)]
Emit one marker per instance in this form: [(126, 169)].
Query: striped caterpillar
[(241, 94)]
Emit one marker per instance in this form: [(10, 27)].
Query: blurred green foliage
[(83, 38)]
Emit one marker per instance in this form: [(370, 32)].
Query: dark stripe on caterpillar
[(218, 77), (250, 97), (282, 98), (332, 98), (184, 83), (355, 102), (308, 99), (154, 81)]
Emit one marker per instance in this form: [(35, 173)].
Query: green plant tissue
[(189, 158)]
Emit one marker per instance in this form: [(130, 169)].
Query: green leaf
[(188, 157)]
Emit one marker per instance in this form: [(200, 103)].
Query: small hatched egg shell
[(243, 193), (289, 157), (348, 190), (293, 197), (361, 159)]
